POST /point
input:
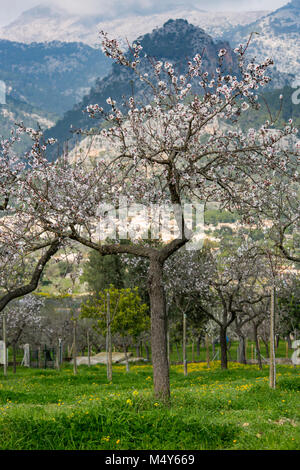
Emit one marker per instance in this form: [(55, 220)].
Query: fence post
[(168, 346), (57, 361), (74, 348), (109, 343), (184, 345), (39, 358), (60, 351), (272, 378), (207, 350), (45, 357), (4, 344), (89, 348)]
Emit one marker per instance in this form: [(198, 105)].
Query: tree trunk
[(108, 342), (198, 346), (147, 351), (39, 357), (4, 344), (177, 351), (74, 349), (255, 334), (207, 350), (158, 331), (242, 349), (141, 349), (126, 357), (57, 362), (14, 346), (88, 348), (266, 346), (272, 377), (184, 346), (223, 345)]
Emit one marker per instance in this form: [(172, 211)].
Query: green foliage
[(215, 217), (129, 316), (102, 271), (99, 272), (270, 102)]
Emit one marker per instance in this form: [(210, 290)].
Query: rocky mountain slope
[(15, 111), (51, 76), (279, 37)]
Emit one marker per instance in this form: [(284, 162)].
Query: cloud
[(107, 9), (119, 8), (115, 8)]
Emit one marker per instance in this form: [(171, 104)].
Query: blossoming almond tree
[(169, 149), (24, 248), (23, 321), (224, 282), (278, 212)]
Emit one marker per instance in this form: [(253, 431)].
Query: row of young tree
[(218, 292), (175, 139), (40, 322), (50, 322)]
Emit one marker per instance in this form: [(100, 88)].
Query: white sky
[(11, 9)]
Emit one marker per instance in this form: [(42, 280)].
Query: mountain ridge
[(52, 76), (278, 37)]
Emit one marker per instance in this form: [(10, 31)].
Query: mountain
[(47, 23), (278, 30), (51, 76), (175, 41), (16, 111), (279, 37), (282, 109), (44, 24)]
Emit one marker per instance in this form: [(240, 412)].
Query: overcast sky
[(11, 9)]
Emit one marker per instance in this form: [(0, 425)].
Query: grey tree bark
[(272, 378), (74, 348), (158, 330)]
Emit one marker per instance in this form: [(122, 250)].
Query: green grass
[(210, 409)]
